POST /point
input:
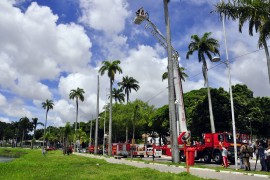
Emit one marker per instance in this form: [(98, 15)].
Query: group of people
[(262, 153), (259, 149)]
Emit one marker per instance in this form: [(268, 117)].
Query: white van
[(157, 152)]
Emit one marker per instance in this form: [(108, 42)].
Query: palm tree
[(78, 95), (35, 123), (205, 46), (183, 75), (118, 95), (111, 68), (67, 134), (256, 13), (48, 104), (127, 84)]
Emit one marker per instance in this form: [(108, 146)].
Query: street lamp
[(217, 59), (230, 86)]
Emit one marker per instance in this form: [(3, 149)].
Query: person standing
[(261, 153), (224, 155), (245, 153)]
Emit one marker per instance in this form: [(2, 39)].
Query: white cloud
[(4, 119), (35, 47), (111, 22)]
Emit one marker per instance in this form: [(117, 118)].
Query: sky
[(48, 47)]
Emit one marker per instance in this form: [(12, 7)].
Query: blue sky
[(48, 47)]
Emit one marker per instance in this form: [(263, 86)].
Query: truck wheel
[(182, 156), (206, 158), (218, 158)]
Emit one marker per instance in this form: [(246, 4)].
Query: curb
[(181, 167)]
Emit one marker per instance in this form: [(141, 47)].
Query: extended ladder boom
[(141, 16)]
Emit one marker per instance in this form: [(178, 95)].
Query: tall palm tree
[(183, 75), (118, 95), (256, 13), (205, 46), (127, 84), (35, 123), (112, 68), (48, 104), (76, 94)]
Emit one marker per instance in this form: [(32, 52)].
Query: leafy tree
[(125, 113), (127, 84), (160, 123), (112, 68), (67, 136), (35, 123), (76, 94), (47, 105), (118, 95), (204, 46), (183, 75), (25, 127)]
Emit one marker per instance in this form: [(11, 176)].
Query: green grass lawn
[(32, 165)]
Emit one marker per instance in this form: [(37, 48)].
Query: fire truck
[(138, 150), (209, 148)]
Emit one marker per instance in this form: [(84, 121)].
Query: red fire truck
[(209, 147)]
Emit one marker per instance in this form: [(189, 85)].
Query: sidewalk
[(201, 172)]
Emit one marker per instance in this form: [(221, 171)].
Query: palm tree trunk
[(45, 129), (22, 139), (97, 111), (77, 108), (126, 133), (267, 57), (127, 121), (210, 106), (110, 123)]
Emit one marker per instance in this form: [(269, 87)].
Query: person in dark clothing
[(261, 154)]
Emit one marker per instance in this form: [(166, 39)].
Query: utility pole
[(172, 111), (96, 131)]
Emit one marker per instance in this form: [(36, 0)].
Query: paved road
[(201, 172), (201, 163)]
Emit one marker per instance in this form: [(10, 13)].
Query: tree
[(160, 123), (118, 95), (256, 13), (35, 123), (67, 136), (127, 84), (24, 126), (47, 105), (183, 75), (204, 46), (76, 94), (112, 68)]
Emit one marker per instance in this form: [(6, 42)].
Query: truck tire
[(207, 157), (218, 158)]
